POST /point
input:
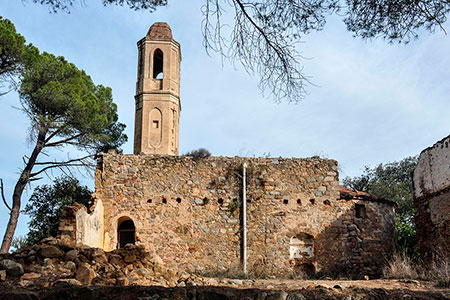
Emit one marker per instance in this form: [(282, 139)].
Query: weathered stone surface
[(85, 274), (2, 275), (50, 251), (12, 268), (295, 297), (67, 282), (70, 265), (71, 255), (129, 258), (187, 212), (28, 276)]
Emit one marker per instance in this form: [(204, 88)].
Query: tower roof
[(160, 30)]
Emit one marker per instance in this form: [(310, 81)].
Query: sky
[(372, 102)]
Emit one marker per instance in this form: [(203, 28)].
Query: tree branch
[(77, 162), (3, 195), (64, 141)]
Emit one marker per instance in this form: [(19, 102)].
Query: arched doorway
[(125, 232)]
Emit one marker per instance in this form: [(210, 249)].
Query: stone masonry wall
[(431, 180), (188, 212)]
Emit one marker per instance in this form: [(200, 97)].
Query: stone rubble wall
[(187, 213), (431, 180)]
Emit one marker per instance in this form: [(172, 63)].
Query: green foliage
[(63, 100), (19, 242), (65, 108), (12, 50), (406, 237), (47, 203), (392, 181)]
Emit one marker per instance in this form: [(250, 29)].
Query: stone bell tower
[(157, 93)]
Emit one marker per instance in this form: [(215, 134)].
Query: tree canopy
[(264, 35), (65, 108), (47, 203), (12, 52)]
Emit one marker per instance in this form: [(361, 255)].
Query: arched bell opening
[(126, 232), (158, 62)]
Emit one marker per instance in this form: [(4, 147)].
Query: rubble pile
[(54, 262)]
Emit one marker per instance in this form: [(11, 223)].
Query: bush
[(198, 153)]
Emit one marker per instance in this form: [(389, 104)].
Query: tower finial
[(160, 30)]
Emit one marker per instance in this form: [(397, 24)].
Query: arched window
[(158, 62), (126, 232)]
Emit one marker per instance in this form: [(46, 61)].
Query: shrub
[(198, 153)]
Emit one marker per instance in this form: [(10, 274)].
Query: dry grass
[(402, 267)]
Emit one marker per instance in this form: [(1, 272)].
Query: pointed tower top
[(160, 30)]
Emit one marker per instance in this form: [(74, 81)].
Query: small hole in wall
[(220, 201), (313, 201), (164, 200), (327, 202), (360, 211), (149, 201), (299, 202), (205, 200), (179, 200), (285, 201)]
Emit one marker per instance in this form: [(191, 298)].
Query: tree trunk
[(18, 190)]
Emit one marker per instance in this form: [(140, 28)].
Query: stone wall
[(431, 180), (188, 212)]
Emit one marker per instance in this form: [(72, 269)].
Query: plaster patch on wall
[(90, 227), (301, 246)]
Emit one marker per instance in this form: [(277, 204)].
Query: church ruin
[(188, 211)]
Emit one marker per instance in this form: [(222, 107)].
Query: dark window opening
[(285, 201), (360, 211), (149, 201), (205, 200), (313, 201), (179, 200), (164, 200), (299, 202), (220, 201), (327, 202), (126, 232), (158, 61)]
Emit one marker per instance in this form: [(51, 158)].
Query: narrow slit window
[(156, 124)]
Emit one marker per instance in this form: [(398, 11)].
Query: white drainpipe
[(244, 217)]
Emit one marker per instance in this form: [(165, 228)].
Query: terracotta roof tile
[(160, 30)]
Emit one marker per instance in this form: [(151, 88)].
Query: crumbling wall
[(431, 180), (82, 227), (188, 212)]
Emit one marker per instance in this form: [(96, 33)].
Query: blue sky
[(373, 102)]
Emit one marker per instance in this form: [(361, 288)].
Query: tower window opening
[(155, 124), (158, 62)]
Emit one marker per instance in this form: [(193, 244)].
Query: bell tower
[(157, 93)]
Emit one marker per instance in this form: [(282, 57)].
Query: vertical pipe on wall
[(244, 218)]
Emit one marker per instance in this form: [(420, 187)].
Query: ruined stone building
[(431, 182), (188, 211)]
